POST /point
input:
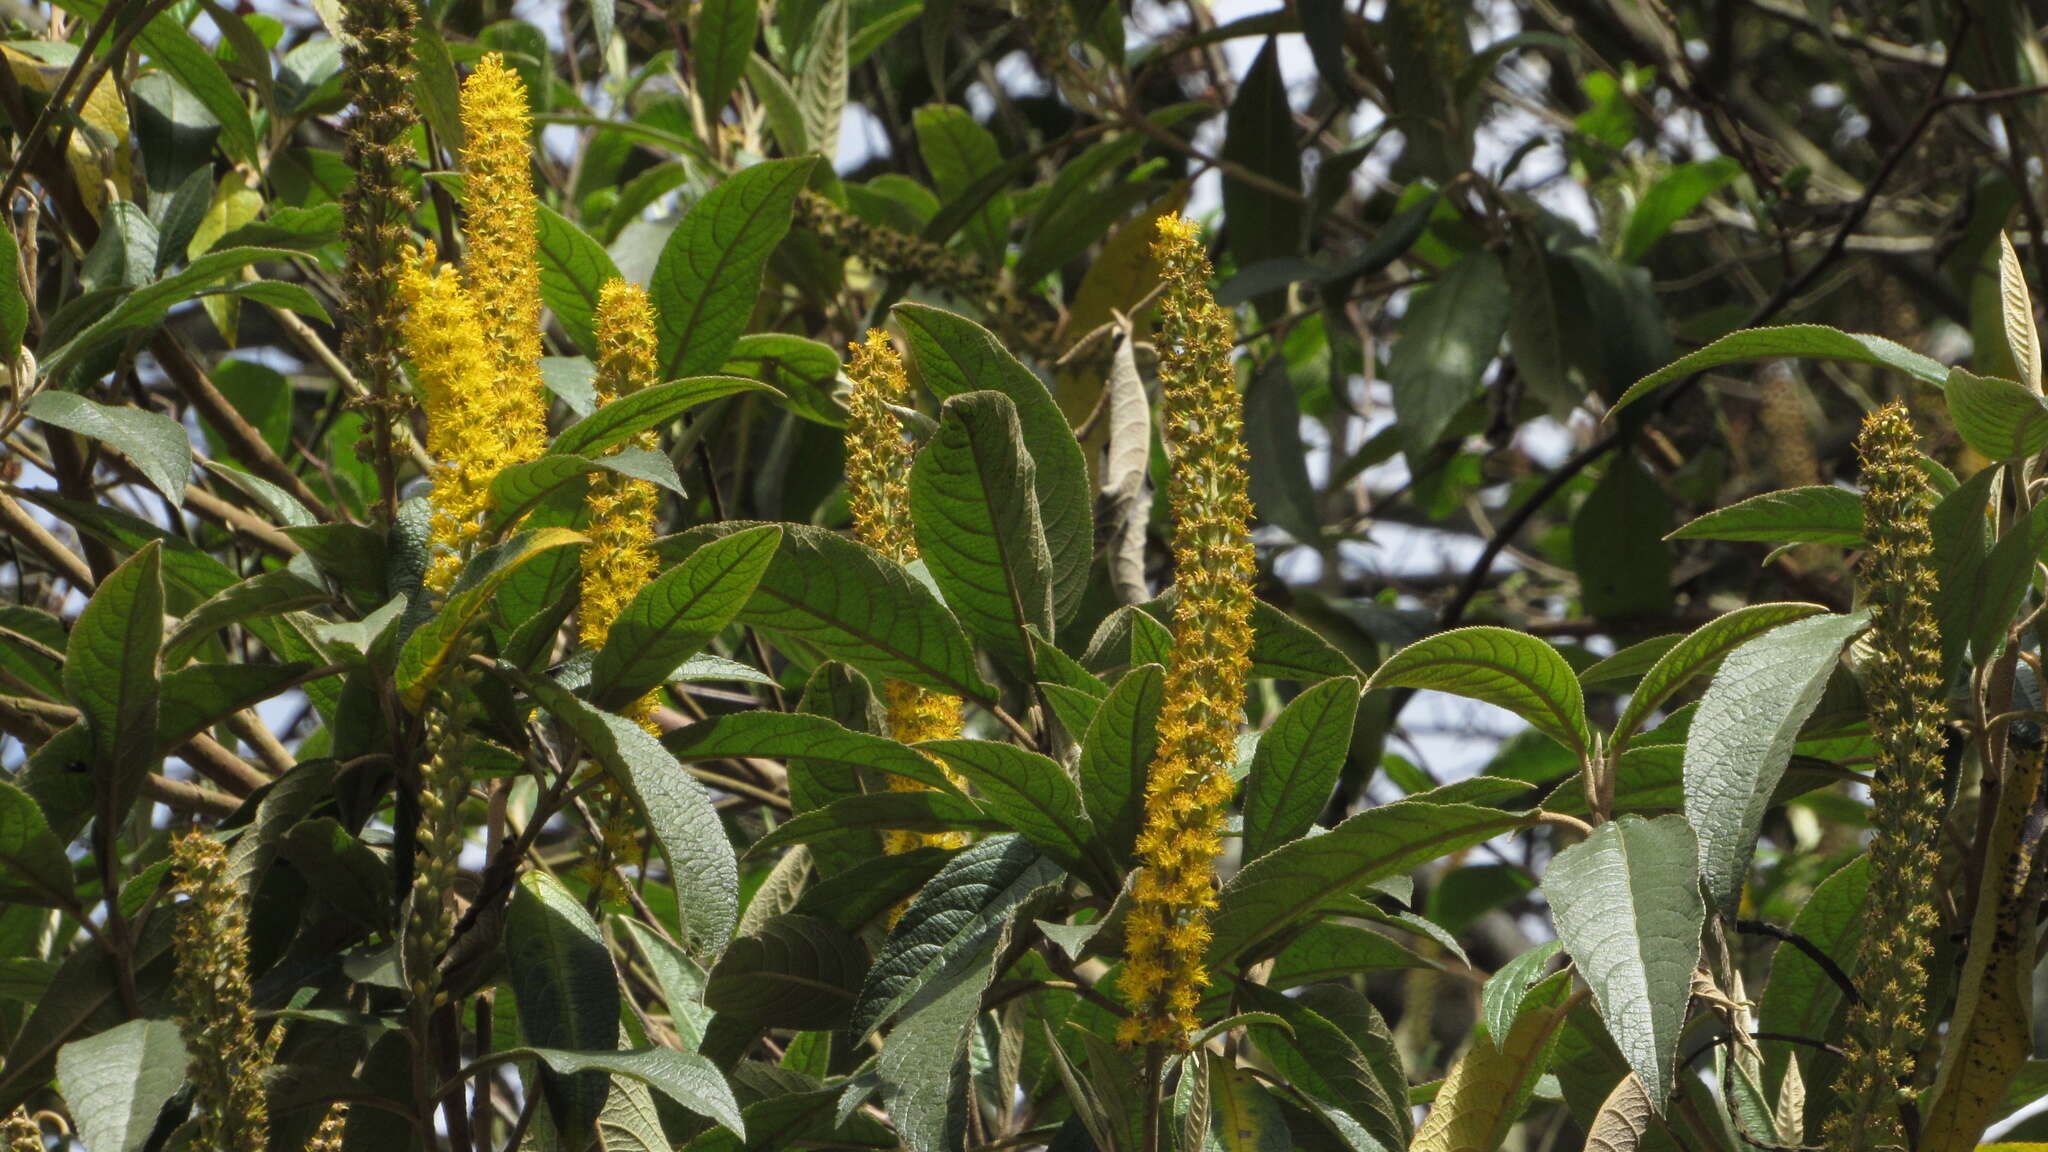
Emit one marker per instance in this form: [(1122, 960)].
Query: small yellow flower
[(1189, 786), (878, 493), (619, 560), (503, 262), (443, 335)]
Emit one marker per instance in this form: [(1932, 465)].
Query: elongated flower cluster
[(1887, 1027), (1024, 322), (1190, 784), (444, 782), (475, 341), (210, 945), (377, 205), (878, 494), (619, 560), (333, 1127)]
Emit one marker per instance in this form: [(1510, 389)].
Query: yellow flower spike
[(619, 560), (210, 945), (878, 493), (1903, 683), (1189, 785), (503, 262), (443, 335)]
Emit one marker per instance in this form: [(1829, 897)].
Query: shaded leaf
[(709, 272), (1814, 340)]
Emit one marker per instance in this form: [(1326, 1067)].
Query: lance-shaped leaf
[(1999, 419), (782, 736), (794, 972), (1500, 1000), (111, 673), (1817, 341), (1509, 669), (976, 514), (1698, 652), (847, 602), (1296, 879), (687, 1078), (1296, 763), (1821, 514), (1626, 901), (156, 444), (628, 416), (115, 1082), (521, 488), (1116, 755), (709, 272), (433, 644), (1030, 793), (2016, 309), (572, 268), (921, 810), (953, 355), (677, 614), (962, 909), (1490, 1084), (33, 867), (679, 812), (567, 993), (1741, 739)]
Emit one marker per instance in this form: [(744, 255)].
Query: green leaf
[(628, 416), (1741, 739), (572, 269), (923, 810), (1696, 653), (804, 371), (821, 86), (433, 644), (953, 355), (568, 995), (1330, 1063), (1258, 137), (145, 306), (1626, 901), (1501, 998), (778, 103), (266, 594), (303, 229), (111, 672), (921, 1070), (798, 972), (873, 888), (847, 602), (959, 912), (1296, 764), (34, 869), (199, 695), (724, 36), (815, 739), (709, 272), (1243, 1116), (1801, 999), (1283, 648), (156, 444), (1671, 198), (115, 1082), (1116, 758), (1032, 795), (1619, 550), (1492, 1082), (676, 615), (1822, 514), (687, 1078), (678, 810), (972, 501), (1814, 340), (83, 998), (1999, 419), (167, 42), (1294, 880), (1502, 667), (13, 305), (960, 152), (1448, 336), (519, 489)]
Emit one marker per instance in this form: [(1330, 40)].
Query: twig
[(1812, 951)]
